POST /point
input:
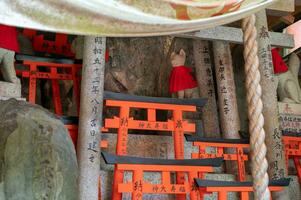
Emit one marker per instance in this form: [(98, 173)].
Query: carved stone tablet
[(290, 117)]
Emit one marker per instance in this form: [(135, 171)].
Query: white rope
[(255, 106)]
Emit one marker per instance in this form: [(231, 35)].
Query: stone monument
[(37, 156), (289, 93), (289, 105)]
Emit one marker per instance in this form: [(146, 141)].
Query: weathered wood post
[(228, 109), (226, 90), (275, 153), (90, 115), (205, 81)]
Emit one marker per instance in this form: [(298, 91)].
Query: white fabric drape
[(125, 17)]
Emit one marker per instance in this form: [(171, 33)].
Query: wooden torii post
[(226, 90), (90, 115), (204, 76), (275, 153)]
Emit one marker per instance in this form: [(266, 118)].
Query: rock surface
[(10, 89), (37, 157)]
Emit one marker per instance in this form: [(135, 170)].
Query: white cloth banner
[(125, 17)]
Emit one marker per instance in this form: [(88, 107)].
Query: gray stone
[(7, 98), (149, 146), (37, 157), (294, 188), (10, 89)]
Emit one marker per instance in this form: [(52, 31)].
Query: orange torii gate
[(124, 122), (292, 149), (138, 166), (221, 145), (57, 69)]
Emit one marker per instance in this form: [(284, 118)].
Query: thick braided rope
[(256, 120)]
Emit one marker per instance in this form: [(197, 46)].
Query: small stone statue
[(181, 80), (288, 87), (8, 46)]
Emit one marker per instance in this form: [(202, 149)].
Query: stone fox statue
[(288, 87), (181, 80), (8, 46)]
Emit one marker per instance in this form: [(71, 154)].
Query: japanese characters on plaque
[(138, 189), (124, 123), (278, 173), (226, 88), (153, 125), (290, 117), (51, 76), (95, 89), (209, 76), (265, 55), (179, 137), (168, 189)]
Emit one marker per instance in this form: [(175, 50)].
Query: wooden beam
[(281, 8), (235, 35)]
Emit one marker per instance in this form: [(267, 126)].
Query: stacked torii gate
[(262, 102)]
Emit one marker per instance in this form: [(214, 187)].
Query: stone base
[(10, 89), (148, 146), (294, 188), (7, 98)]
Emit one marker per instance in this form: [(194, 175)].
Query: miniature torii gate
[(91, 101)]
